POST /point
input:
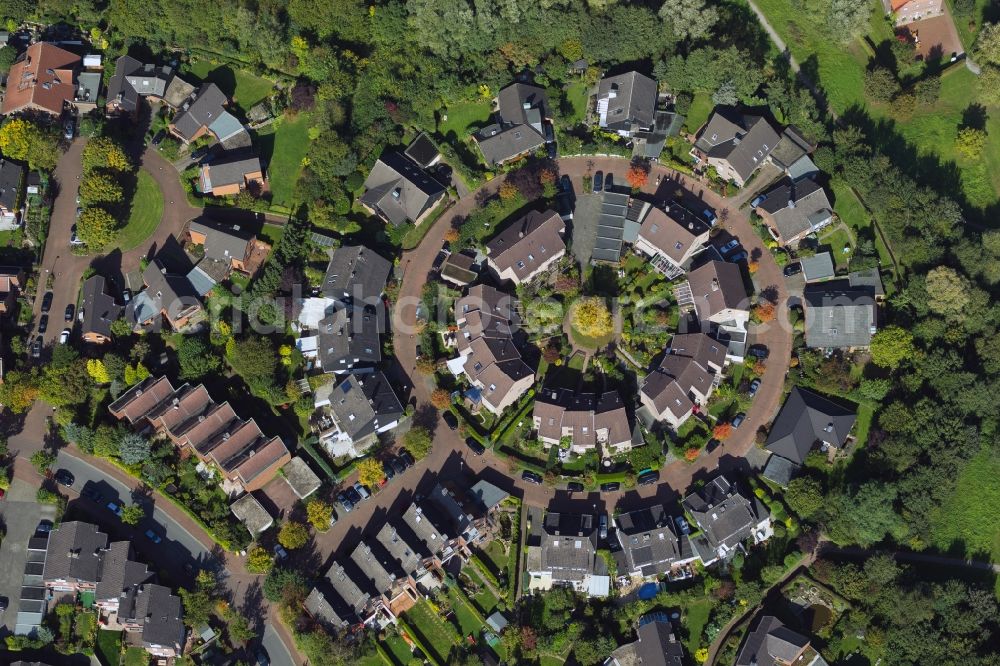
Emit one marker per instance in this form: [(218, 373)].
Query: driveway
[(19, 515), (276, 650)]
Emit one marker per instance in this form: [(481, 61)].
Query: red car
[(2, 493)]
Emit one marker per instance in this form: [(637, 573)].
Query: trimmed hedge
[(310, 448)]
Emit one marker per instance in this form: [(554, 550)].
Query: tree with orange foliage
[(440, 398), (508, 190), (637, 175), (759, 367), (547, 176), (692, 454), (763, 312), (451, 235), (753, 267), (722, 431)]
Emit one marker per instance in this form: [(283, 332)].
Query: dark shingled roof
[(771, 643), (630, 99), (724, 513), (399, 189), (75, 553), (99, 309), (11, 179), (206, 108), (650, 541), (807, 418), (422, 150), (744, 141), (655, 644)]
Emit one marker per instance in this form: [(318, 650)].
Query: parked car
[(158, 137), (730, 246), (64, 336), (610, 487), (407, 459), (757, 200), (398, 465), (609, 182), (439, 259), (153, 536), (43, 323), (345, 502), (793, 269), (531, 477), (92, 494), (353, 495), (450, 419), (279, 552), (712, 445), (79, 211), (598, 181), (64, 477), (70, 309), (754, 386), (550, 149), (474, 446), (738, 257), (333, 517), (387, 469), (574, 487), (3, 600), (564, 184), (115, 508), (709, 216), (261, 657), (738, 420), (200, 153), (604, 526), (759, 352), (36, 348), (68, 130), (682, 525), (362, 490), (44, 527), (47, 301), (126, 295), (73, 238), (648, 478)]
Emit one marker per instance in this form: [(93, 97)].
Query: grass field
[(84, 625), (109, 646), (244, 88), (695, 619), (398, 649), (435, 633), (701, 108), (272, 233), (467, 619), (967, 520), (147, 210), (485, 599), (464, 118), (136, 656), (576, 95), (837, 239), (283, 144)]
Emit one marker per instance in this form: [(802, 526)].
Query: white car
[(64, 336)]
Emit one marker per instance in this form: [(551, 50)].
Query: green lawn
[(701, 109), (283, 144), (136, 656), (695, 619), (968, 518), (272, 233), (434, 633), (484, 599), (397, 648), (244, 88), (496, 555), (467, 619), (864, 423), (147, 210), (576, 95), (464, 118), (109, 646), (837, 239), (84, 625)]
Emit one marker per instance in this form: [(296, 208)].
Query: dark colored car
[(682, 525), (70, 310), (550, 150), (609, 182), (3, 604), (47, 301), (450, 419), (200, 153), (439, 259), (574, 487), (598, 181), (153, 536), (759, 352), (388, 470), (648, 479), (36, 348), (603, 526), (793, 269), (398, 465), (345, 502), (564, 184), (531, 477), (158, 137), (91, 493), (754, 386), (44, 527), (738, 420), (407, 459), (64, 477), (353, 494), (712, 445), (474, 445), (611, 487), (43, 323)]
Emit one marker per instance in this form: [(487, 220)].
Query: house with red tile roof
[(42, 79)]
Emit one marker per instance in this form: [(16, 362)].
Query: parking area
[(20, 515), (585, 218)]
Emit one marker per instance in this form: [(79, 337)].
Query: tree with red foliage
[(764, 312), (638, 174), (551, 353), (722, 431), (440, 398)]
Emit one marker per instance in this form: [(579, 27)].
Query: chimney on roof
[(715, 284)]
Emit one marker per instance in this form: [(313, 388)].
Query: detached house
[(716, 292), (564, 553), (169, 295), (771, 643), (42, 80), (488, 355), (99, 311), (908, 11), (11, 193), (735, 144), (794, 210), (399, 190), (726, 517), (651, 544), (626, 103), (521, 127), (688, 373), (229, 247), (527, 248), (205, 113), (839, 315), (585, 420), (228, 177), (246, 458), (671, 237), (134, 80), (655, 645), (357, 411)]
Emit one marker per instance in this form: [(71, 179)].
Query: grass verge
[(146, 213)]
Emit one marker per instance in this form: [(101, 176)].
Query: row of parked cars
[(392, 467), (646, 478)]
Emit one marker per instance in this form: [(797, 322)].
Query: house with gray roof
[(153, 619), (487, 495), (736, 144), (360, 407), (134, 80), (204, 113), (381, 574), (617, 225), (399, 191), (520, 127), (726, 517), (228, 176), (670, 237), (252, 514), (626, 103), (338, 601), (795, 209), (565, 554), (99, 311), (119, 575), (808, 420), (839, 316), (527, 247), (436, 532), (655, 645), (300, 477), (651, 544), (771, 643), (817, 267), (791, 155), (173, 296), (11, 192), (73, 557), (686, 377)]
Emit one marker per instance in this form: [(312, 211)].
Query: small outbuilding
[(817, 267), (252, 514), (303, 481), (497, 622)]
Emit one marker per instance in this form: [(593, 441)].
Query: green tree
[(987, 48), (890, 346), (42, 461), (284, 585), (99, 372), (370, 472), (133, 514), (418, 442), (592, 318), (7, 56), (689, 19), (805, 497), (259, 561), (947, 292), (65, 385), (847, 18), (196, 358), (989, 85), (100, 188), (319, 514), (971, 142), (253, 358), (865, 517), (133, 448), (97, 228), (19, 391), (293, 535), (880, 84), (105, 153), (120, 328)]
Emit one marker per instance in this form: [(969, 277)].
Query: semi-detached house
[(527, 248)]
